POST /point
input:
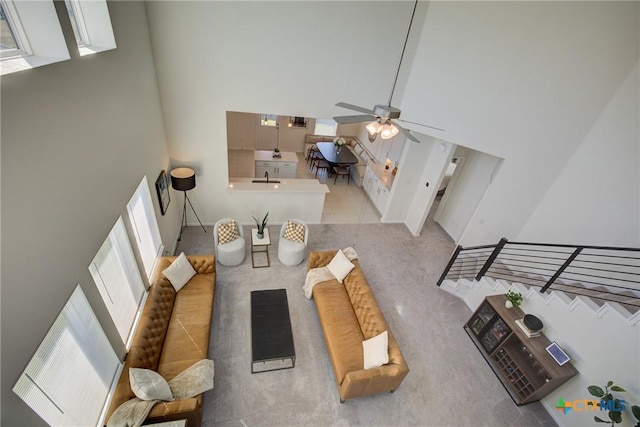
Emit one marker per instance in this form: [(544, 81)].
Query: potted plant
[(339, 141), (612, 404), (514, 299), (276, 152), (261, 225)]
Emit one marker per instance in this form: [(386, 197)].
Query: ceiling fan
[(382, 116)]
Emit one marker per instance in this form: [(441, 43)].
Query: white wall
[(606, 165), (602, 349), (77, 138), (227, 65), (525, 81)]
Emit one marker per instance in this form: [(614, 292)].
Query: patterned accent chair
[(292, 245), (228, 253)]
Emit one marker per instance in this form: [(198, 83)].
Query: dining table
[(331, 154)]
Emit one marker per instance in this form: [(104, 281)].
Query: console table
[(522, 364)]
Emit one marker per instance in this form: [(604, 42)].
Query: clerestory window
[(77, 22), (13, 41)]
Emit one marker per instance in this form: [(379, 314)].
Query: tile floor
[(346, 203)]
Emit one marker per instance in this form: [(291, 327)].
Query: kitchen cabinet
[(283, 167), (376, 190)]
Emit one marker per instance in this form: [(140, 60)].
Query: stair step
[(626, 306), (500, 278)]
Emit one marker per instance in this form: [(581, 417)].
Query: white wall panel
[(524, 81)]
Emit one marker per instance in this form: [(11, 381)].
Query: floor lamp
[(184, 179)]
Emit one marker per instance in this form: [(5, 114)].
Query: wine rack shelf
[(522, 364)]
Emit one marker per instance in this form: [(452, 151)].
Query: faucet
[(266, 175)]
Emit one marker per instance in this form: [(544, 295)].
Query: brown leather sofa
[(173, 334), (349, 314)]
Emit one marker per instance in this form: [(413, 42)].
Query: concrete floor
[(449, 382)]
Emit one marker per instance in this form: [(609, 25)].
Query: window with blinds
[(67, 381), (116, 275), (145, 226), (327, 127)]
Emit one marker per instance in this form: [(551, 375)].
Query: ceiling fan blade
[(344, 120), (406, 132), (354, 107), (420, 124)]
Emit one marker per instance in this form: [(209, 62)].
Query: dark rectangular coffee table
[(271, 336)]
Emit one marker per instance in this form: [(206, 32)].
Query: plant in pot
[(612, 404), (261, 225), (514, 299)]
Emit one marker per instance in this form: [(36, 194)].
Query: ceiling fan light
[(373, 128), (388, 131)]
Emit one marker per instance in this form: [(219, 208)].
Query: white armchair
[(291, 249), (230, 253)]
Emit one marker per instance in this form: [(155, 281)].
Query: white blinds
[(145, 226), (116, 275), (327, 127), (68, 378)]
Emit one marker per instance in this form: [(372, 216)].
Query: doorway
[(448, 183), (467, 186)]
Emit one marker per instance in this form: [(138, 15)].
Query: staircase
[(605, 279)]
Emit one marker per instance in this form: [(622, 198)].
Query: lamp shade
[(388, 131), (183, 179)]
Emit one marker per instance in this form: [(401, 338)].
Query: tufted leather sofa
[(349, 314), (172, 334)]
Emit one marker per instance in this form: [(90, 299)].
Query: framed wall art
[(162, 188)]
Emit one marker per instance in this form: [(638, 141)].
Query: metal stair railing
[(609, 274)]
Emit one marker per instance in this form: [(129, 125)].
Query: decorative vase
[(338, 148), (508, 304), (260, 235)]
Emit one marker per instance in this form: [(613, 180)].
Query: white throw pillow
[(376, 351), (340, 266), (179, 272), (149, 385)]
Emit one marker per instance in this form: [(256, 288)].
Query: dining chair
[(342, 170)]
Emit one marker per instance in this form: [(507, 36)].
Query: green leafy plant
[(615, 405), (514, 297), (261, 225), (276, 150)]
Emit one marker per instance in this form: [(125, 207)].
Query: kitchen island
[(277, 167), (289, 198)]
